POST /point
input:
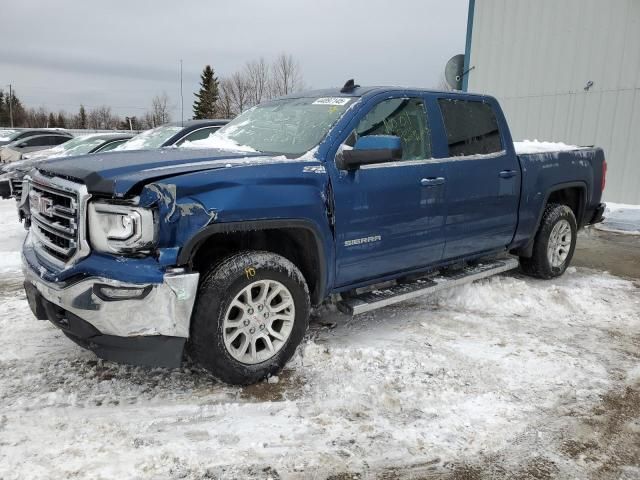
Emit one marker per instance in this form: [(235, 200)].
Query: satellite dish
[(454, 70)]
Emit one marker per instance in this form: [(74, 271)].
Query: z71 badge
[(363, 240)]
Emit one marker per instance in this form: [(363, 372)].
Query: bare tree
[(286, 77), (160, 109), (149, 121), (106, 119), (36, 118), (257, 75), (225, 103), (239, 92), (101, 118)]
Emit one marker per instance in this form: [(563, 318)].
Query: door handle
[(508, 173), (432, 181)]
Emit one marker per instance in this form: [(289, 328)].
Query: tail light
[(604, 174)]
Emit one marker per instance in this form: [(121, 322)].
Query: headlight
[(121, 228)]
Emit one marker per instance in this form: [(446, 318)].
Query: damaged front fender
[(178, 218)]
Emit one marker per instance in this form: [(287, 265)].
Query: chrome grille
[(57, 214), (16, 187)]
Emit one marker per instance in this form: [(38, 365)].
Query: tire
[(220, 328), (558, 221)]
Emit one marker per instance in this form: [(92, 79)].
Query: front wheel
[(554, 243), (251, 313)]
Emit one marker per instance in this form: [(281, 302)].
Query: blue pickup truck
[(220, 253)]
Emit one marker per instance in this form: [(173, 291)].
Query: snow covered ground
[(506, 378), (621, 218)]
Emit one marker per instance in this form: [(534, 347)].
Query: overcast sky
[(122, 53)]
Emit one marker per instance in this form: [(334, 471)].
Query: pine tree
[(17, 110), (207, 97), (61, 120), (4, 113), (52, 121), (82, 118)]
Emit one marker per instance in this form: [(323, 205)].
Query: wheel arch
[(298, 240), (572, 194)]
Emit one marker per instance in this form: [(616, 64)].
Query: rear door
[(389, 217), (483, 178)]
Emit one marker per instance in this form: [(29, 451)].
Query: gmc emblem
[(42, 205)]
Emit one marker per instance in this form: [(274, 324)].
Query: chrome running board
[(374, 299)]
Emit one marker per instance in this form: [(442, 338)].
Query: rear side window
[(110, 145), (403, 117), (200, 134), (472, 127), (56, 140), (36, 142)]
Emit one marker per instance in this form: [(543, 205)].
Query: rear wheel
[(251, 314), (554, 243)]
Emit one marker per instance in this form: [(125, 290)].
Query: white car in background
[(32, 141), (11, 174), (81, 145)]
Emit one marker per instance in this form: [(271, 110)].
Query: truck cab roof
[(365, 91)]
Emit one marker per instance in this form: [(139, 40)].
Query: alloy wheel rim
[(259, 321), (559, 243)]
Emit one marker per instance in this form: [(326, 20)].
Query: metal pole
[(181, 98), (10, 106)]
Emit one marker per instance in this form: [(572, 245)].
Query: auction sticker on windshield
[(331, 101)]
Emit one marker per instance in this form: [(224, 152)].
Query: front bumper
[(141, 330)]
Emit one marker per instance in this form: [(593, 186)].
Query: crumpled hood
[(115, 173)]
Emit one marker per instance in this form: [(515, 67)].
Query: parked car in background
[(81, 145), (11, 174), (173, 134), (10, 135), (14, 150)]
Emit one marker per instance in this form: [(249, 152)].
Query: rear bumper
[(598, 214), (149, 327)]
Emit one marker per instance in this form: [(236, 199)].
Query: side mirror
[(369, 150)]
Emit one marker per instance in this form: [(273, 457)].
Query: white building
[(564, 70)]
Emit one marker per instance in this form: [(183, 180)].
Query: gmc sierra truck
[(369, 196)]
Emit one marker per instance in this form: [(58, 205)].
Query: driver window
[(403, 117)]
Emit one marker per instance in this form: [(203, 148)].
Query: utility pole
[(10, 106)]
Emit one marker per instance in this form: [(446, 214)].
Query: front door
[(389, 217)]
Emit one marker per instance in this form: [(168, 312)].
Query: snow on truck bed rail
[(537, 146)]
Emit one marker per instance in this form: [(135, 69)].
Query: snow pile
[(221, 140), (12, 235), (501, 367), (536, 146), (621, 218)]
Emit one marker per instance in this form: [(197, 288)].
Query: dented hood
[(116, 173)]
